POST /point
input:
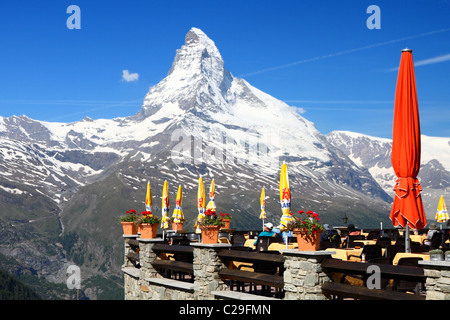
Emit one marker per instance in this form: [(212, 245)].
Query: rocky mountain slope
[(374, 154)]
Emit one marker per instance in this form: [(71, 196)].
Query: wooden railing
[(175, 261), (389, 277), (266, 271), (133, 256)]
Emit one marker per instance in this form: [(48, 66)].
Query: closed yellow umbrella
[(165, 206), (200, 204), (211, 204), (285, 198), (178, 215), (441, 213), (148, 199), (263, 214)]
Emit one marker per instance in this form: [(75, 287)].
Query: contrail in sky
[(432, 60), (342, 52), (425, 62)]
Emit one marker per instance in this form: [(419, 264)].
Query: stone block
[(435, 295), (444, 288), (432, 273), (287, 275), (311, 279), (443, 281)]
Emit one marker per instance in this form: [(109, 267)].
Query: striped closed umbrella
[(178, 215), (200, 204), (441, 213), (212, 195), (263, 214), (148, 199), (165, 206), (285, 198)]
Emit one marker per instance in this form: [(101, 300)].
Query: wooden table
[(367, 241), (250, 243), (272, 247), (418, 238), (280, 246), (344, 253), (398, 256)]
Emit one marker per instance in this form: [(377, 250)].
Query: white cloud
[(439, 59), (128, 77), (300, 110)]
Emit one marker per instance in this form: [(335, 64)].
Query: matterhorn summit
[(204, 98), (197, 79)]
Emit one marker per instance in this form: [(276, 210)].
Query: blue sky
[(319, 56)]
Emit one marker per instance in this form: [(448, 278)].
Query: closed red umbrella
[(407, 209)]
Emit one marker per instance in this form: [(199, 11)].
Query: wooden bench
[(387, 272), (258, 261), (251, 256), (364, 293), (133, 257), (179, 264), (133, 243), (253, 277), (187, 251), (172, 265)]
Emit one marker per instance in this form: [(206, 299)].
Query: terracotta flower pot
[(148, 231), (129, 228), (307, 242), (177, 226), (210, 234), (227, 224)]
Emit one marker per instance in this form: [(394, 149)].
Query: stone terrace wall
[(438, 279), (303, 276)]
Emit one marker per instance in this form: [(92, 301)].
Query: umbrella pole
[(287, 239), (407, 243)]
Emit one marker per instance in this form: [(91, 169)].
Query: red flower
[(308, 224)]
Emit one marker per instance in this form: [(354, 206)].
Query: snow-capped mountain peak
[(197, 79), (198, 55)]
